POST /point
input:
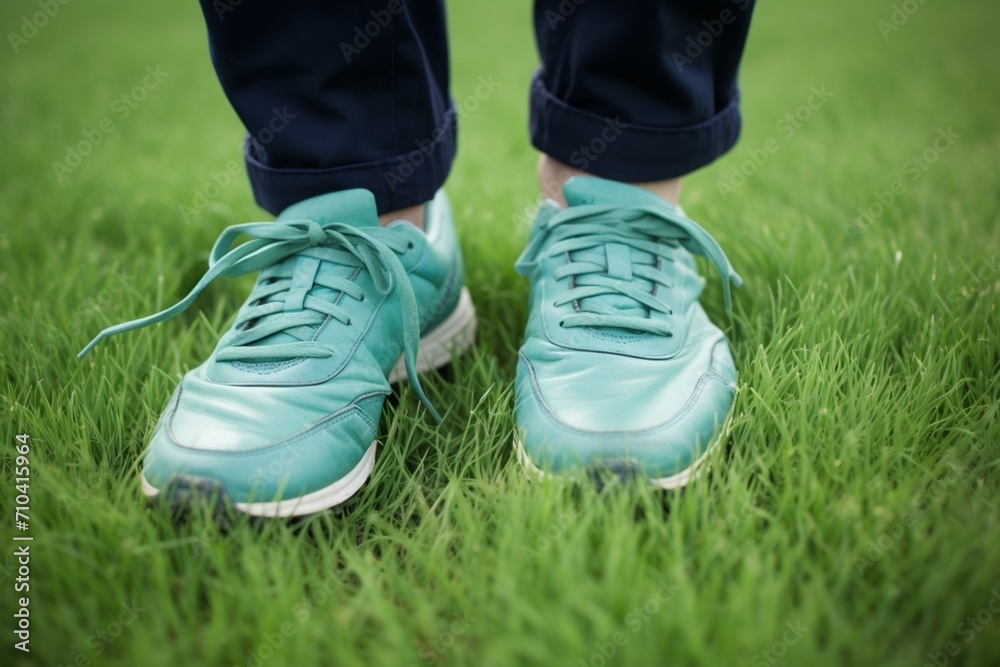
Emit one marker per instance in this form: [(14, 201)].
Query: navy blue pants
[(354, 93)]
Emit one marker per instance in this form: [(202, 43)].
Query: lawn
[(852, 518)]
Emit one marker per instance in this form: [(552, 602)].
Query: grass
[(852, 519)]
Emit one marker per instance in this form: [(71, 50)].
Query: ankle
[(414, 214), (552, 174), (669, 189)]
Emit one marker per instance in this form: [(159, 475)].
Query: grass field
[(853, 519)]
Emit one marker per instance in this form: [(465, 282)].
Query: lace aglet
[(90, 346), (732, 280), (438, 419), (411, 374)]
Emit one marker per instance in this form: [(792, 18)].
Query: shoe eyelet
[(410, 246), (362, 299), (350, 322), (562, 323)]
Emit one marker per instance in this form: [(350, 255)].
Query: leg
[(621, 368), (338, 95), (642, 96)]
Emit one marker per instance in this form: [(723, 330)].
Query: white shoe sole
[(446, 341), (437, 348), (675, 481), (310, 503)]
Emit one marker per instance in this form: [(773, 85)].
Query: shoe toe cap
[(660, 432), (306, 462)]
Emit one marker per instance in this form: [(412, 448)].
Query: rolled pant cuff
[(611, 148), (404, 180)]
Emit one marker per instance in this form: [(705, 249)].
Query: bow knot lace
[(285, 300)]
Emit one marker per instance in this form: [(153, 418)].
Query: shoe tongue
[(351, 207), (581, 190), (355, 208)]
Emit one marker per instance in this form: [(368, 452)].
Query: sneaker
[(283, 417), (620, 369)]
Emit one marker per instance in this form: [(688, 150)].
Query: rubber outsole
[(446, 341)]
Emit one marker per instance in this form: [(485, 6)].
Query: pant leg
[(638, 91), (337, 95)]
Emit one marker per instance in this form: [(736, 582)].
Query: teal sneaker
[(620, 369), (283, 417)]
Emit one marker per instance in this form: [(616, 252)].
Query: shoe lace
[(610, 286), (286, 304)]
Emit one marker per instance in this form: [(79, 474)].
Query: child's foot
[(621, 368), (284, 414)]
